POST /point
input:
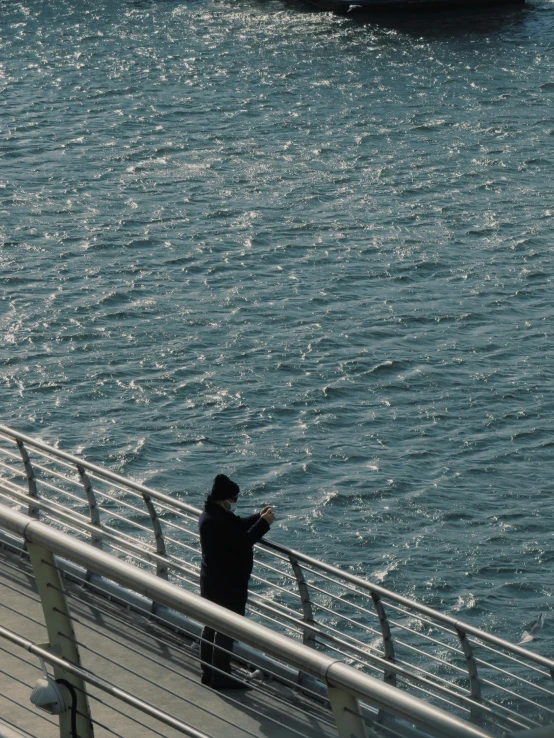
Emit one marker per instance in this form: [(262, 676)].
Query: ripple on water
[(315, 252)]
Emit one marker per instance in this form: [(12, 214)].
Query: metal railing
[(448, 663), (347, 686)]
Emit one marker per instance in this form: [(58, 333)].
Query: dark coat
[(227, 555)]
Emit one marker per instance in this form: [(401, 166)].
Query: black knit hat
[(223, 489)]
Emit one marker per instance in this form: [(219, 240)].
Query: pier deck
[(154, 664)]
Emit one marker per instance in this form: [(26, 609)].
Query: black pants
[(216, 648), (215, 656)]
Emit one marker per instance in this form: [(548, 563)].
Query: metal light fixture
[(47, 695)]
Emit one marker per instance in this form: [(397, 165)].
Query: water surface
[(314, 252)]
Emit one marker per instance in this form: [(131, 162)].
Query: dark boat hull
[(344, 6)]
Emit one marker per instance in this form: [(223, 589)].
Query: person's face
[(230, 501)]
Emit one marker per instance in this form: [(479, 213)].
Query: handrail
[(320, 592), (456, 625), (333, 672)]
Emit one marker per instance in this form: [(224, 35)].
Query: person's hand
[(267, 514)]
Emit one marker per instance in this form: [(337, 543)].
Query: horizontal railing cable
[(401, 626), (272, 603), (100, 531), (10, 453), (22, 659), (281, 573), (104, 473), (289, 628), (30, 595), (181, 544), (155, 660), (391, 606), (55, 508), (374, 633), (413, 678), (521, 679), (189, 582), (378, 669), (22, 614), (172, 524), (15, 471), (90, 694), (275, 606), (427, 686), (443, 699), (424, 636), (509, 657), (57, 456), (43, 716), (512, 718), (283, 557), (337, 649), (462, 691), (54, 473), (12, 677), (18, 490), (106, 728), (295, 595), (510, 692)]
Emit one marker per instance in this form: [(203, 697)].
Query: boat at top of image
[(393, 6)]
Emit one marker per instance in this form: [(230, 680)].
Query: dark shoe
[(207, 680)]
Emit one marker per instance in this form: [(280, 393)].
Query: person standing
[(227, 542)]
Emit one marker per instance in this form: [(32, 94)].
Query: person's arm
[(249, 521), (226, 538), (257, 531), (260, 528)]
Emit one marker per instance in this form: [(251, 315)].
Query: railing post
[(61, 638), (92, 506), (474, 683), (308, 637), (33, 511), (161, 567), (346, 711), (389, 676)]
